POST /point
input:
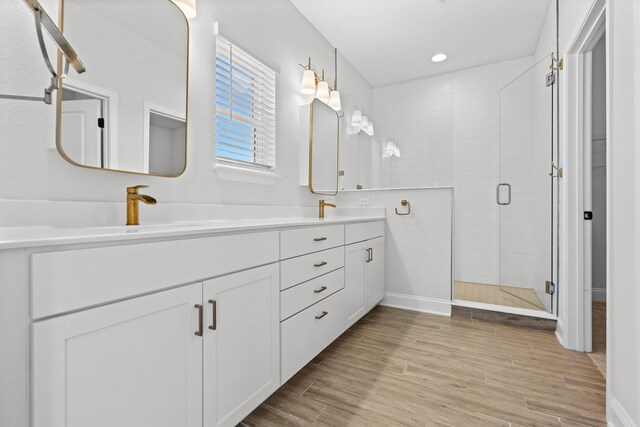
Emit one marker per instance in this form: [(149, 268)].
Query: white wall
[(623, 294), (274, 30), (418, 268), (599, 171)]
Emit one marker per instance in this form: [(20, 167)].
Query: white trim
[(110, 99), (415, 303), (504, 309), (618, 416), (148, 108), (229, 172), (559, 331), (572, 267)]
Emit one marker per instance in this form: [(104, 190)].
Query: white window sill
[(227, 172)]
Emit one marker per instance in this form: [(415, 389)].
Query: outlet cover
[(364, 201)]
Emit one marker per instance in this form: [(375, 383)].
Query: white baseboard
[(560, 332), (599, 294), (618, 417), (415, 303)]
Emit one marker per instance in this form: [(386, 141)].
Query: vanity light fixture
[(188, 7), (391, 150), (312, 84), (43, 20), (439, 57)]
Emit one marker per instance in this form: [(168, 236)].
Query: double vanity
[(187, 324)]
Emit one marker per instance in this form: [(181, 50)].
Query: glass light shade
[(308, 86), (323, 92), (365, 123), (356, 118), (370, 129), (388, 150), (334, 100), (188, 7)]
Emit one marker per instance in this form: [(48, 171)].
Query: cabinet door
[(354, 293), (375, 272), (242, 344), (134, 363)]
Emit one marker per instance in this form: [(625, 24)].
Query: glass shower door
[(524, 193)]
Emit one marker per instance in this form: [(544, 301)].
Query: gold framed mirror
[(324, 148), (128, 112)]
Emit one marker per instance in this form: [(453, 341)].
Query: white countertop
[(39, 236)]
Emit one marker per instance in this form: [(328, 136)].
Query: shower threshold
[(520, 301)]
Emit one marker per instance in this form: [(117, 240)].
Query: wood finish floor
[(599, 336), (404, 368), (507, 296)]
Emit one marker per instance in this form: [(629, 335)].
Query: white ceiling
[(390, 41)]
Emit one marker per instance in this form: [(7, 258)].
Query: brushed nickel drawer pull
[(319, 239), (322, 289), (214, 324), (321, 264), (199, 331), (320, 316)]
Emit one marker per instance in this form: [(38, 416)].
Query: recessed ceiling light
[(438, 57)]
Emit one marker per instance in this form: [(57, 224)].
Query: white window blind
[(245, 107)]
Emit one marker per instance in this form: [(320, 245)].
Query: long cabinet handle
[(214, 323), (199, 331), (319, 239), (369, 255), (320, 264), (322, 289), (320, 316)]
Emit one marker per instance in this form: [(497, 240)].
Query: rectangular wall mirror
[(324, 142), (128, 111)]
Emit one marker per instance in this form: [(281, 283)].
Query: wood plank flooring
[(599, 336), (404, 368)]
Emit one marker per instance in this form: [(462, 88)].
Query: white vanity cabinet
[(241, 344), (133, 363), (188, 330), (364, 270)]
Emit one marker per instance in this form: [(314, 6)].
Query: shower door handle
[(508, 193)]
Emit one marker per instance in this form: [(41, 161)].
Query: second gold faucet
[(323, 205), (133, 199)]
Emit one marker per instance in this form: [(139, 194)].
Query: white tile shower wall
[(30, 170), (447, 128)]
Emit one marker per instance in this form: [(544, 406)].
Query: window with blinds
[(245, 108)]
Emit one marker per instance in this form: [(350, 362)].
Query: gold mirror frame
[(311, 189), (60, 69)]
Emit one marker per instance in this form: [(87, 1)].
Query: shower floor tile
[(498, 295)]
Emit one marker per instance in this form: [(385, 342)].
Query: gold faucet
[(133, 199), (323, 205)]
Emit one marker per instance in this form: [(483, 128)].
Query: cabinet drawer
[(70, 280), (297, 270), (299, 297), (303, 241), (307, 333), (363, 231)]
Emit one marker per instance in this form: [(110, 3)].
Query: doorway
[(595, 201)]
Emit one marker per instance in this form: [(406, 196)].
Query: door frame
[(110, 110), (578, 185)]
